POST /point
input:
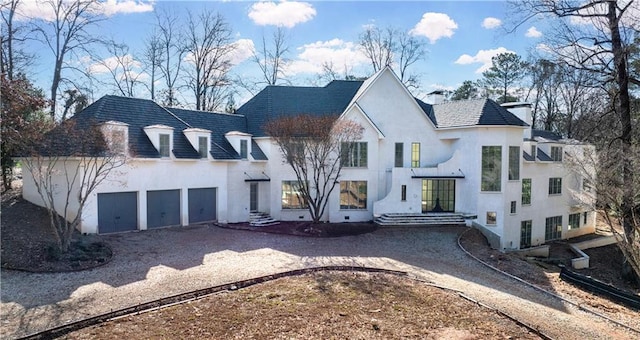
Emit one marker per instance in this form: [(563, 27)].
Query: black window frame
[(555, 186)]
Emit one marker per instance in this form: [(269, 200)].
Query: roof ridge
[(206, 112), (173, 114)]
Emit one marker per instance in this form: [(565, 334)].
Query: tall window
[(202, 147), (165, 145), (354, 155), (555, 186), (292, 195), (403, 193), (353, 195), (525, 234), (243, 149), (514, 206), (399, 155), (526, 191), (415, 155), (514, 163), (574, 221), (553, 228), (585, 216), (491, 168), (556, 153)]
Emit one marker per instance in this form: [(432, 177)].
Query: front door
[(438, 195), (253, 197)]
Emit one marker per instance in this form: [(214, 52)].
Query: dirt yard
[(319, 306)]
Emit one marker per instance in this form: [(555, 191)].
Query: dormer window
[(165, 145), (533, 151), (243, 149), (203, 146), (556, 153)]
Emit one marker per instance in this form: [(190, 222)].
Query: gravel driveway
[(158, 263)]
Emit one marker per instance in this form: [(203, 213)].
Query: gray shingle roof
[(470, 112), (545, 134), (219, 124), (139, 113), (277, 101)]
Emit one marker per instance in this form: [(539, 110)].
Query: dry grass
[(319, 306)]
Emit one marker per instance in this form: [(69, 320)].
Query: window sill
[(348, 210), (560, 194)]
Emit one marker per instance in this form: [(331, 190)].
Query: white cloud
[(482, 57), (491, 23), (112, 64), (435, 26), (40, 9), (244, 49), (341, 54), (533, 32), (111, 7), (284, 13)]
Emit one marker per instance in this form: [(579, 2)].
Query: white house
[(472, 157)]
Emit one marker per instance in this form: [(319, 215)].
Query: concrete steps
[(260, 219), (418, 219)]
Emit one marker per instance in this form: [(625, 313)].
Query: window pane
[(555, 186), (525, 234), (556, 153), (553, 228), (415, 155), (526, 191), (574, 221), (492, 217), (513, 207), (354, 154), (202, 147), (491, 168), (292, 196), (164, 145), (399, 161), (353, 195), (514, 163), (243, 149)]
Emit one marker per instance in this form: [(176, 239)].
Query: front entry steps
[(430, 219), (260, 219)]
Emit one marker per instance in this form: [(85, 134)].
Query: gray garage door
[(163, 208), (117, 212), (202, 205)]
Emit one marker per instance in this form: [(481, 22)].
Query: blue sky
[(460, 36)]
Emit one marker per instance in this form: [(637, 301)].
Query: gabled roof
[(219, 124), (139, 113), (469, 112), (277, 101)]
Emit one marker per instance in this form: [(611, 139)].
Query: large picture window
[(354, 155), (353, 195), (553, 228), (491, 168), (514, 163), (555, 186), (526, 191), (292, 195)]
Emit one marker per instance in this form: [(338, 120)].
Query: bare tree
[(124, 69), (66, 167), (73, 98), (153, 59), (312, 146), (594, 36), (272, 59), (208, 47), (13, 59), (378, 45), (172, 53), (395, 48), (66, 35)]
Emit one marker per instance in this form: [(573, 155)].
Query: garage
[(163, 208), (117, 212), (202, 205)]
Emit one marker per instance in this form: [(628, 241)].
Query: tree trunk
[(624, 112)]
